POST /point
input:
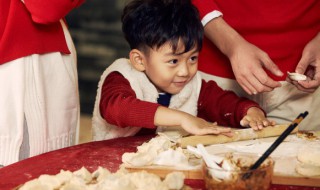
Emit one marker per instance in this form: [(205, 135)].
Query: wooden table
[(90, 155)]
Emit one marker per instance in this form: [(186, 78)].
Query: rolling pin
[(239, 135)]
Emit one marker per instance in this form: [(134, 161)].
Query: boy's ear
[(136, 59)]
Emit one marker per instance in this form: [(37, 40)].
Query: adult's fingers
[(307, 86), (266, 83), (256, 80), (302, 64), (270, 65), (254, 86)]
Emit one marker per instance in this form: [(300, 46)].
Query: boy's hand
[(169, 117), (256, 119), (198, 126)]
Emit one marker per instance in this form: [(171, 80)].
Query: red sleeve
[(205, 6), (119, 105), (45, 12), (223, 107)]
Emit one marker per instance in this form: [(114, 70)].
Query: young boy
[(160, 85)]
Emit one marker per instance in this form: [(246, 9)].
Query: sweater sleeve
[(221, 106), (119, 105), (45, 12), (205, 7)]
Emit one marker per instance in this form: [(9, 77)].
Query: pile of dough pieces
[(103, 179), (160, 150), (309, 160)]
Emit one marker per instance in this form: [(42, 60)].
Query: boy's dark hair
[(152, 23)]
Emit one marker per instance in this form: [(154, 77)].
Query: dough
[(309, 160), (307, 169), (102, 178), (160, 150), (239, 135), (310, 154), (308, 135), (174, 180), (297, 76)]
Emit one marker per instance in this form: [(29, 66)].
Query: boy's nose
[(183, 70)]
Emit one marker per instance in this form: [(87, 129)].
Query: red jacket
[(280, 28), (32, 27), (119, 105)]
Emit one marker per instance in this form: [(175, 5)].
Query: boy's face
[(170, 71)]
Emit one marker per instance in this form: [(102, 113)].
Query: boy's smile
[(170, 71)]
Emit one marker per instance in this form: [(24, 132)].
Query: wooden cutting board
[(239, 135), (197, 174), (278, 178)]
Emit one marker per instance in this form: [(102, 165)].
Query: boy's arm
[(256, 119), (119, 106), (192, 124), (224, 107)]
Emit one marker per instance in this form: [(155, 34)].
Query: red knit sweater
[(280, 28), (119, 105), (33, 27)]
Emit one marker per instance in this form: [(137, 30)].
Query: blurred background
[(96, 31)]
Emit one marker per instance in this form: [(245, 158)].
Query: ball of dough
[(307, 169), (310, 154), (174, 180), (297, 76)]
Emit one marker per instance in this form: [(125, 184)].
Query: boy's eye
[(194, 58), (174, 61)]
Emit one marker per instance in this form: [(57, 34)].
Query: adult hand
[(248, 61), (309, 65)]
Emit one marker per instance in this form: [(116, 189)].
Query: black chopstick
[(276, 143)]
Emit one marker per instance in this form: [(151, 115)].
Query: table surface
[(106, 153)]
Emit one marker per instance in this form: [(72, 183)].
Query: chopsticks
[(276, 143)]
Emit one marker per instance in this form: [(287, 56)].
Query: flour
[(285, 155), (163, 151), (159, 151)]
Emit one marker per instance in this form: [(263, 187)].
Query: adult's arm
[(246, 59), (45, 12), (208, 10)]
